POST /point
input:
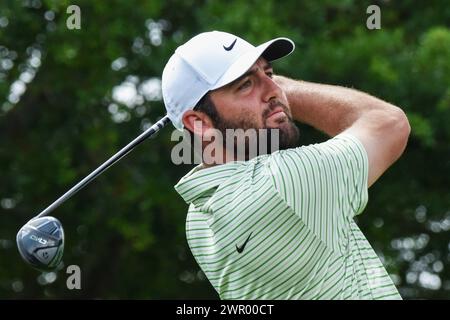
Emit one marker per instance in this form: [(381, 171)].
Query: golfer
[(279, 225)]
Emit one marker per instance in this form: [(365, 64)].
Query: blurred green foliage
[(72, 98)]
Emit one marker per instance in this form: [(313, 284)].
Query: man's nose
[(271, 89)]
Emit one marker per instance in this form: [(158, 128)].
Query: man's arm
[(382, 128)]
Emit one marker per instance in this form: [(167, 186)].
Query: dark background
[(69, 99)]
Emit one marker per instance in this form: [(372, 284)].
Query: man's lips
[(275, 111), (278, 115)]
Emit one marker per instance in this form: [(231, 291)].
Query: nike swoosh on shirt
[(230, 46), (241, 248)]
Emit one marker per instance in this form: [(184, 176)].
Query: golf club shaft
[(119, 155)]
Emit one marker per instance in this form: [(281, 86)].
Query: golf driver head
[(41, 243)]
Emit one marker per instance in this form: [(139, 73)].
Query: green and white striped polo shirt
[(290, 214)]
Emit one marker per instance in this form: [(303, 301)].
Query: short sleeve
[(325, 184)]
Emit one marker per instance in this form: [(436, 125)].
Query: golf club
[(41, 240)]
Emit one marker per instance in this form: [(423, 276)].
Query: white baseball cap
[(207, 62)]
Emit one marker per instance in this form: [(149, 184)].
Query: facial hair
[(288, 133)]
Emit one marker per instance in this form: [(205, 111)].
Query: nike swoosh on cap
[(230, 46)]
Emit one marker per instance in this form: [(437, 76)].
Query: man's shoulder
[(342, 139), (339, 145), (343, 153)]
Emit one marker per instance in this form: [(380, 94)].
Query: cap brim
[(270, 50), (277, 48)]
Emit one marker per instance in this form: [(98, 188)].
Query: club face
[(41, 243)]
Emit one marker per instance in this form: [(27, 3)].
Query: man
[(280, 225)]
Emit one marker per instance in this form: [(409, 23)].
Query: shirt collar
[(202, 179)]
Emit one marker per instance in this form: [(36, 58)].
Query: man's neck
[(225, 157)]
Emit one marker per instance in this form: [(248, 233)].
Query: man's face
[(255, 101)]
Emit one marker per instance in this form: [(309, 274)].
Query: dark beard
[(288, 137)]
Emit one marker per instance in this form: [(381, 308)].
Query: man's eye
[(269, 74), (245, 85)]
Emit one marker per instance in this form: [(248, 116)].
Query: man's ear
[(196, 120)]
